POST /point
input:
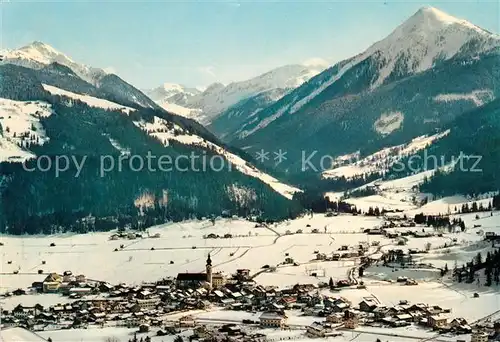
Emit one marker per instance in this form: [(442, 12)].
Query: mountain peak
[(316, 62), (42, 53), (214, 87), (39, 44), (433, 11), (428, 36), (39, 54), (431, 18), (172, 87)]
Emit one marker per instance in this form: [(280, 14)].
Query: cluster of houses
[(216, 236), (404, 314), (152, 305), (68, 284), (130, 235), (392, 231), (149, 305), (370, 312), (490, 331)]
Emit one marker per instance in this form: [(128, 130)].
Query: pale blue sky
[(199, 42)]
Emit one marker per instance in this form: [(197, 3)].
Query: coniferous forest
[(41, 201)]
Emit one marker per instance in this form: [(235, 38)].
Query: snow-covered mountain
[(426, 39), (47, 109), (175, 98), (38, 55), (228, 124), (169, 90), (205, 106), (393, 90)]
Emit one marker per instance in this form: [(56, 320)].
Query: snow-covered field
[(389, 122), (20, 126), (100, 335), (161, 130), (90, 100), (191, 113), (402, 194), (380, 161), (360, 335), (94, 255), (479, 97), (250, 248)]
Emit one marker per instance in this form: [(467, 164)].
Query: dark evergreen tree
[(496, 276), (478, 261), (496, 202), (455, 269), (470, 273), (488, 275)]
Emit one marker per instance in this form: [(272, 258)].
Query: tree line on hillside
[(38, 202), (467, 272), (476, 136), (368, 191), (474, 208), (438, 221), (318, 203), (315, 183), (41, 202)]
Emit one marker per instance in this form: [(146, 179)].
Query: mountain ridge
[(216, 98), (329, 103), (39, 55), (53, 113)]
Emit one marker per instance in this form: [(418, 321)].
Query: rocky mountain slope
[(207, 105), (472, 151), (228, 124), (48, 110), (175, 99), (429, 70), (38, 55)]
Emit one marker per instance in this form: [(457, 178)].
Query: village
[(197, 301)]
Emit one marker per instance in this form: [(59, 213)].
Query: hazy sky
[(199, 42)]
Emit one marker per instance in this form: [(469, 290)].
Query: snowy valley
[(183, 213)]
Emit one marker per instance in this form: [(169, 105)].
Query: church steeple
[(209, 271)]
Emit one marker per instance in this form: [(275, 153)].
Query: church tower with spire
[(209, 271)]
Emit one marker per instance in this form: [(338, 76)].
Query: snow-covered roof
[(271, 315)]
